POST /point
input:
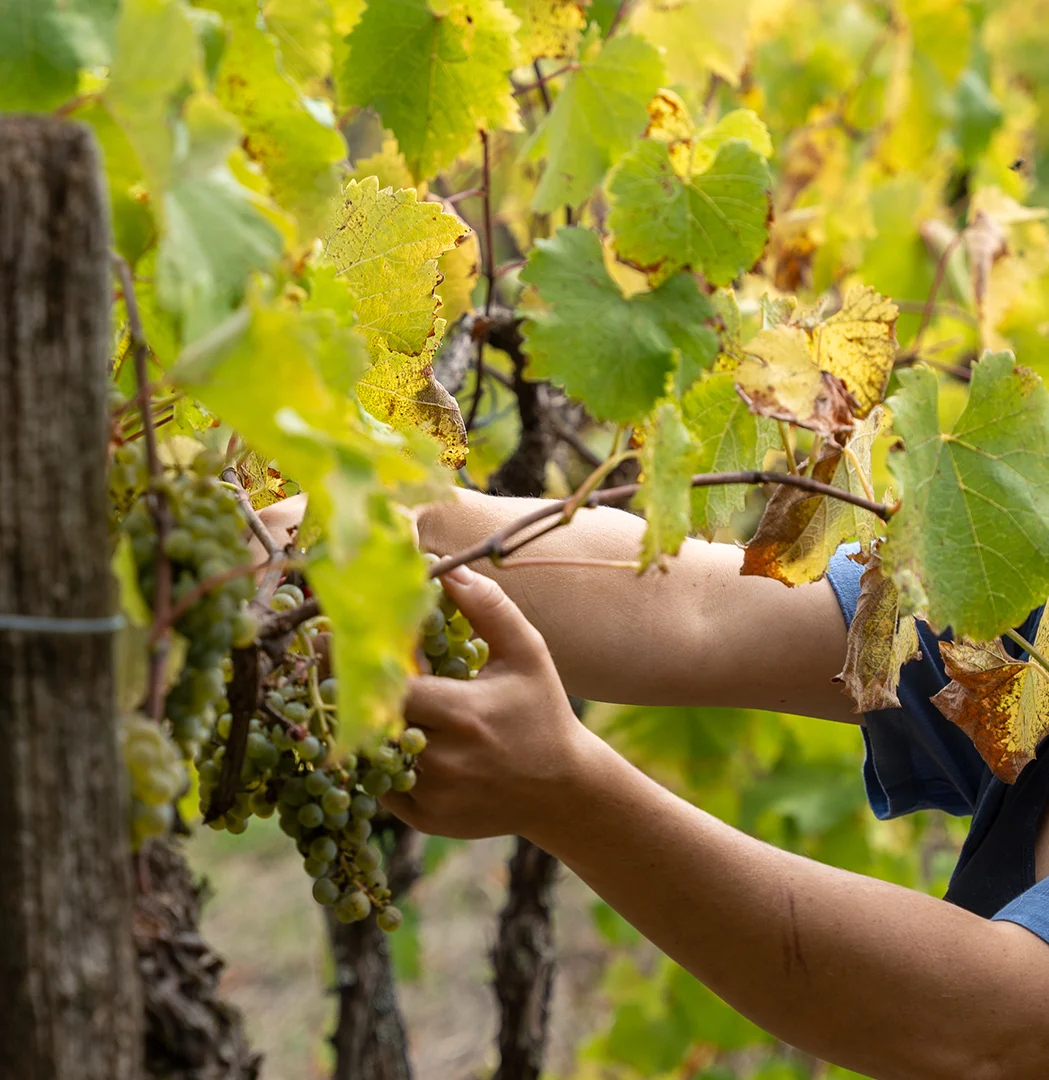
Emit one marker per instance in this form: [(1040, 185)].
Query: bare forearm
[(891, 983), (691, 635)]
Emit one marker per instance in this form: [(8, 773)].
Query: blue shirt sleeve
[(916, 759), (1029, 910)]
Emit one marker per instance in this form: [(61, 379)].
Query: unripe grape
[(296, 712), (293, 791), (363, 806), (357, 831), (435, 646), (335, 822), (481, 648), (464, 650), (412, 741), (324, 848), (293, 591), (208, 463), (317, 783), (178, 545), (315, 868), (353, 907), (433, 623), (258, 746), (376, 782), (261, 804), (454, 668), (325, 891), (335, 800), (459, 628), (447, 605), (311, 816), (311, 748), (329, 691), (367, 858), (282, 602), (375, 880), (389, 919), (236, 826), (404, 781), (245, 627)]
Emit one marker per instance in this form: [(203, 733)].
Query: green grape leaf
[(1002, 704), (595, 119), (156, 53), (730, 438), (376, 602), (297, 152), (714, 222), (973, 526), (549, 27), (214, 238), (384, 245), (613, 353), (45, 43), (882, 638), (799, 531), (302, 30), (437, 72), (667, 464)]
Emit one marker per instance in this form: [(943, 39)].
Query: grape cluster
[(128, 474), (447, 638), (157, 777), (206, 540)]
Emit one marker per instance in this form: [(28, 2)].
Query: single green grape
[(297, 712), (293, 591), (412, 741), (311, 816), (245, 627), (324, 848), (311, 748), (404, 781), (363, 806), (454, 668), (389, 919), (367, 858), (376, 782), (481, 648), (335, 800), (435, 646), (433, 623), (325, 891), (315, 868), (317, 783), (282, 602), (329, 691), (353, 906)]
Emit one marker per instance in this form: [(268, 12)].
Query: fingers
[(436, 703), (283, 517), (493, 615)]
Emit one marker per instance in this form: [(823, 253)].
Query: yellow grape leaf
[(264, 485), (1002, 704), (881, 640), (697, 37), (459, 269), (549, 27), (384, 245), (668, 460), (388, 166), (858, 344), (777, 378), (799, 530), (403, 392)]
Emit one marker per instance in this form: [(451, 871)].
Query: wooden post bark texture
[(68, 979)]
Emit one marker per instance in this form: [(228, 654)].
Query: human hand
[(501, 746)]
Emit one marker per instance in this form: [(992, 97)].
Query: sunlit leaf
[(613, 353), (549, 27), (730, 438), (436, 73), (1000, 703), (973, 527), (667, 463), (881, 640)]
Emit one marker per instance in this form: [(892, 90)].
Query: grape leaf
[(388, 166), (778, 378), (1002, 704), (436, 73), (459, 270), (668, 461), (698, 36), (45, 43), (799, 531), (611, 352), (302, 30), (858, 344), (596, 117), (156, 52), (730, 438), (881, 640), (385, 246), (714, 222), (297, 151), (214, 238), (549, 27), (973, 526)]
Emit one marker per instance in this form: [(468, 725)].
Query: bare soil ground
[(263, 920)]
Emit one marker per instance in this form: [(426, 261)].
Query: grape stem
[(161, 512), (1028, 648), (255, 523), (490, 275), (499, 545)]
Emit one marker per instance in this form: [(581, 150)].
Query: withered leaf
[(1000, 703), (881, 640), (800, 530)]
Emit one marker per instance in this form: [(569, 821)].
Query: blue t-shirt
[(917, 759)]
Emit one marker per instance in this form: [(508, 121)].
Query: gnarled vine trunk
[(68, 982)]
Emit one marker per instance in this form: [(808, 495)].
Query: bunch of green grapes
[(207, 539), (128, 475), (157, 777), (447, 638)]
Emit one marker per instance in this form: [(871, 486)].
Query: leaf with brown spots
[(881, 640), (264, 485), (799, 530), (778, 378), (1000, 703), (549, 27)]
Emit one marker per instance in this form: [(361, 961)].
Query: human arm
[(891, 983), (698, 634)]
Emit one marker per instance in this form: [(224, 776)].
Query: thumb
[(493, 615)]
